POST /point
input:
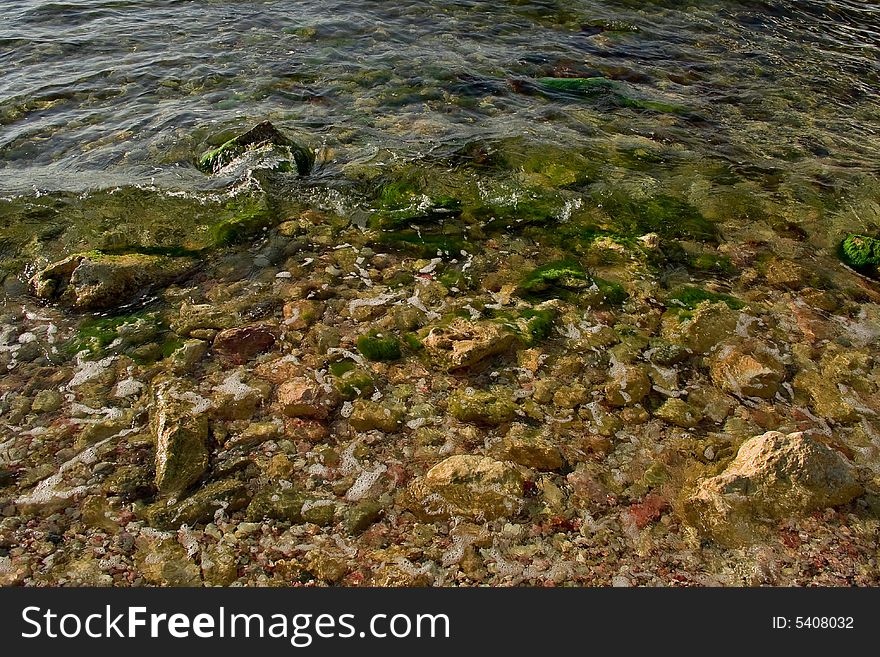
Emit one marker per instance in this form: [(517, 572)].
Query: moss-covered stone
[(277, 504), (487, 407), (861, 252), (690, 297), (359, 517), (378, 347), (262, 136), (200, 507), (245, 217), (368, 415)]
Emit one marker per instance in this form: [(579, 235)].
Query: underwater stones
[(263, 137), (529, 448), (303, 397), (200, 507), (181, 433), (678, 412), (368, 415), (47, 401), (474, 487), (487, 407), (629, 385), (184, 359), (242, 343), (790, 275), (747, 370), (774, 476), (277, 504), (95, 281), (554, 278), (463, 343), (379, 348), (358, 517), (701, 331), (163, 561)]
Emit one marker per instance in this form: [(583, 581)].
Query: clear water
[(97, 93)]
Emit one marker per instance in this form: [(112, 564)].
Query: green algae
[(425, 244), (246, 217), (860, 251), (688, 298), (379, 348), (578, 85), (554, 277), (124, 334), (668, 216)]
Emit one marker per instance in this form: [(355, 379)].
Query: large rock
[(774, 476), (200, 507), (463, 343), (263, 139), (95, 281), (181, 431), (709, 325), (747, 370), (475, 487)]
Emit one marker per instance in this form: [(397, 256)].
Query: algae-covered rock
[(163, 561), (475, 487), (181, 433), (368, 415), (678, 412), (464, 343), (774, 476), (378, 347), (701, 331), (629, 385), (277, 503), (487, 407), (200, 507), (263, 137), (96, 281), (861, 252), (360, 516), (529, 448)]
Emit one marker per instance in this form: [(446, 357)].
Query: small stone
[(368, 415), (240, 344), (277, 504), (47, 401), (524, 446), (303, 397), (678, 412), (629, 385), (476, 487), (488, 407), (361, 515), (188, 355), (709, 325), (163, 561), (325, 566)]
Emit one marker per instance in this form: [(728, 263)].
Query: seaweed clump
[(862, 253), (375, 347)]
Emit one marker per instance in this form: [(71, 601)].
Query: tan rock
[(747, 370), (629, 385), (464, 344), (774, 476), (307, 398), (475, 487)]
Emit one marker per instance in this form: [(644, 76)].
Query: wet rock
[(277, 503), (488, 407), (774, 476), (360, 516), (790, 275), (464, 344), (709, 325), (181, 433), (712, 403), (475, 487), (747, 370), (239, 399), (47, 401), (95, 281), (629, 385), (265, 139), (188, 355), (325, 566), (307, 398), (164, 562), (369, 415), (203, 317), (200, 507), (526, 447), (678, 412), (219, 565), (571, 396), (240, 344)]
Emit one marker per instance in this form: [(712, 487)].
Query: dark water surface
[(96, 93)]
